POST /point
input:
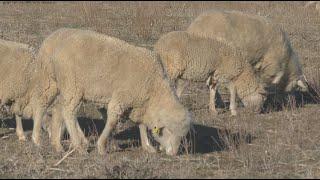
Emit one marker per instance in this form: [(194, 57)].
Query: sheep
[(267, 46), (14, 83), (188, 57), (124, 79), (25, 90), (249, 90)]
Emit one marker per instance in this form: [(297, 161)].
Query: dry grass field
[(280, 143)]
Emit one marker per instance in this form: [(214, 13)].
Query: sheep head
[(169, 122), (296, 80)]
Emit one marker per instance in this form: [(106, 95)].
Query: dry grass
[(277, 144)]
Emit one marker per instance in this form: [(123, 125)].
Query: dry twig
[(64, 157)]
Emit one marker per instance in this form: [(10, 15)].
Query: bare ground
[(281, 143)]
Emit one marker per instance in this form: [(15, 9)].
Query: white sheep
[(92, 67), (26, 90), (267, 46), (188, 57)]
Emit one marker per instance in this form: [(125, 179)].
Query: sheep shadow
[(274, 102), (11, 123), (277, 102), (200, 140), (204, 139)]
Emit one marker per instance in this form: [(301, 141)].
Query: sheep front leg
[(81, 135), (233, 103), (39, 114), (146, 145), (212, 99), (114, 113), (69, 113), (212, 83), (56, 129), (19, 129)]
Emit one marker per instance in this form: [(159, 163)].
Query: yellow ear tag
[(156, 131)]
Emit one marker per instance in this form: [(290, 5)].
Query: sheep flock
[(249, 54)]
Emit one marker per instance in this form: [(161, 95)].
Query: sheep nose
[(161, 148), (171, 152), (262, 91)]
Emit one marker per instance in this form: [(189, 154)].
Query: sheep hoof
[(214, 112), (82, 151), (161, 148), (233, 113), (149, 149), (85, 143), (80, 148), (212, 108), (101, 149), (58, 148), (22, 138), (37, 144), (36, 141)]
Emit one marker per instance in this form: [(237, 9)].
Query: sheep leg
[(19, 129), (212, 104), (233, 93), (56, 129), (39, 114), (213, 87), (114, 113), (82, 136), (69, 113), (146, 145), (46, 124)]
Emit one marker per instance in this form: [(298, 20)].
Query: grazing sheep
[(25, 91), (267, 47), (188, 57), (124, 79), (249, 90)]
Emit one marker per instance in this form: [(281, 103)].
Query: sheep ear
[(302, 85), (279, 75), (208, 82)]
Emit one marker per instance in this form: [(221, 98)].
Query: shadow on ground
[(206, 139), (277, 102), (202, 139)]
